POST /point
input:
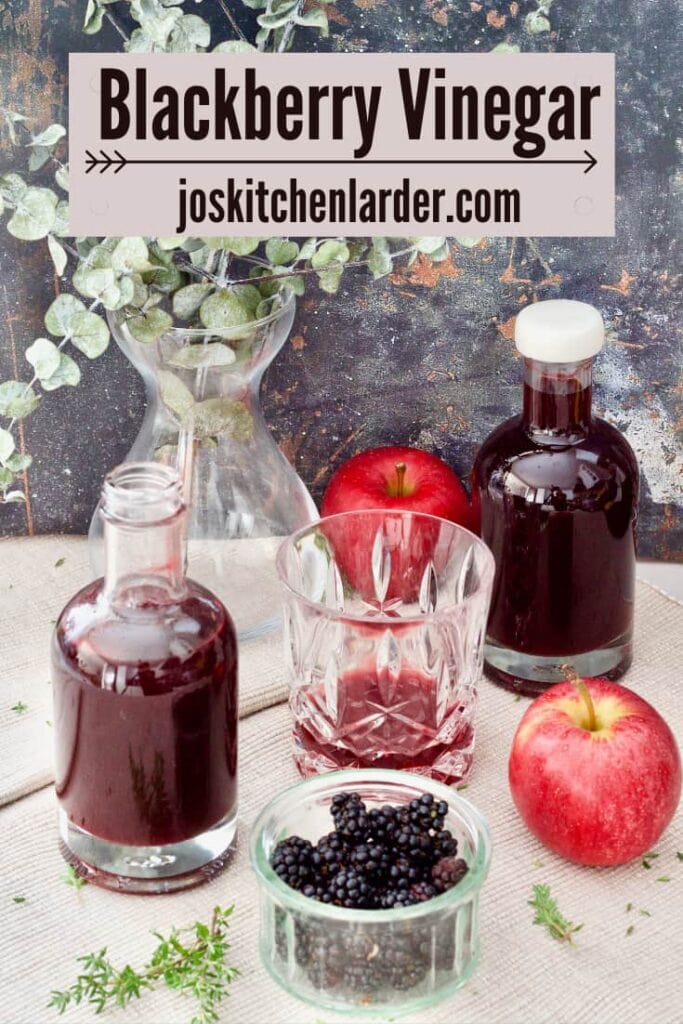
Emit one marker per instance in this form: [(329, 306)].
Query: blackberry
[(371, 860), (350, 816), (445, 844), (291, 861), (384, 857), (422, 891), (447, 872)]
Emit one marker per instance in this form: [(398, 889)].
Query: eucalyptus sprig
[(221, 284), (549, 916), (196, 966)]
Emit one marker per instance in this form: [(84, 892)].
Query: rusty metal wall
[(424, 357)]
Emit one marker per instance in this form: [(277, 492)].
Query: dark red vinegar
[(556, 491), (146, 716)]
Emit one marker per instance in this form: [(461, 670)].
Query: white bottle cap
[(559, 331)]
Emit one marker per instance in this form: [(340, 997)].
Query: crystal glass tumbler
[(368, 962), (385, 614)]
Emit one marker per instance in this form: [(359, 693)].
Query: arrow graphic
[(118, 161)]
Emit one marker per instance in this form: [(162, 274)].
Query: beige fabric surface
[(524, 975), (38, 575)]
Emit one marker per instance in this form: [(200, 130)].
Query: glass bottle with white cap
[(556, 491)]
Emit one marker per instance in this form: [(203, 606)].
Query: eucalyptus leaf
[(330, 278), (196, 357), (536, 22), (61, 312), (17, 399), (12, 187), (308, 248), (34, 215), (89, 333), (67, 373), (99, 283), (58, 254), (189, 34), (224, 416), (428, 244), (279, 18), (240, 246), (235, 46), (380, 262), (61, 224), (38, 156), (6, 478), (130, 254), (248, 295), (187, 300), (49, 137), (15, 496), (506, 48), (171, 241), (7, 445), (440, 254), (293, 282), (331, 251), (2, 205), (280, 251), (18, 462), (43, 355), (314, 19), (149, 326), (92, 23), (174, 394), (223, 311), (62, 176), (467, 241)]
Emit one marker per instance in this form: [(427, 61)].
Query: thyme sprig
[(196, 966), (548, 915)]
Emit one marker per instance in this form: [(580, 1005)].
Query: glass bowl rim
[(350, 778), (288, 303), (398, 622)]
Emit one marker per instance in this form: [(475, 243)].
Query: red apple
[(398, 478), (595, 772), (392, 479)]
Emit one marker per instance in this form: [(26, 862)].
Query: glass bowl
[(368, 961)]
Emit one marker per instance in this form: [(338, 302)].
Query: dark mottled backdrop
[(425, 357)]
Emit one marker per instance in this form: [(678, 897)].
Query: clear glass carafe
[(144, 673), (204, 418)]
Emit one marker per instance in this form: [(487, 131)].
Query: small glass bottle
[(556, 494), (144, 671)]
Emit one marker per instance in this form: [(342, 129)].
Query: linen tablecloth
[(524, 975)]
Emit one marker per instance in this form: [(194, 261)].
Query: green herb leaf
[(192, 961), (648, 858), (630, 930), (20, 707), (19, 899), (549, 916), (70, 877)]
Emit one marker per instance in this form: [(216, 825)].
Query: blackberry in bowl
[(369, 890)]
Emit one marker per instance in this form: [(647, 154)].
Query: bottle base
[(147, 869), (532, 674)]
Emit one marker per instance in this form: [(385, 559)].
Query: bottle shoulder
[(598, 467), (94, 636)]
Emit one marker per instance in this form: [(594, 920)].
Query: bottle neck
[(557, 397), (144, 536)]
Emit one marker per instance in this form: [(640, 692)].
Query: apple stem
[(584, 692), (400, 479)]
